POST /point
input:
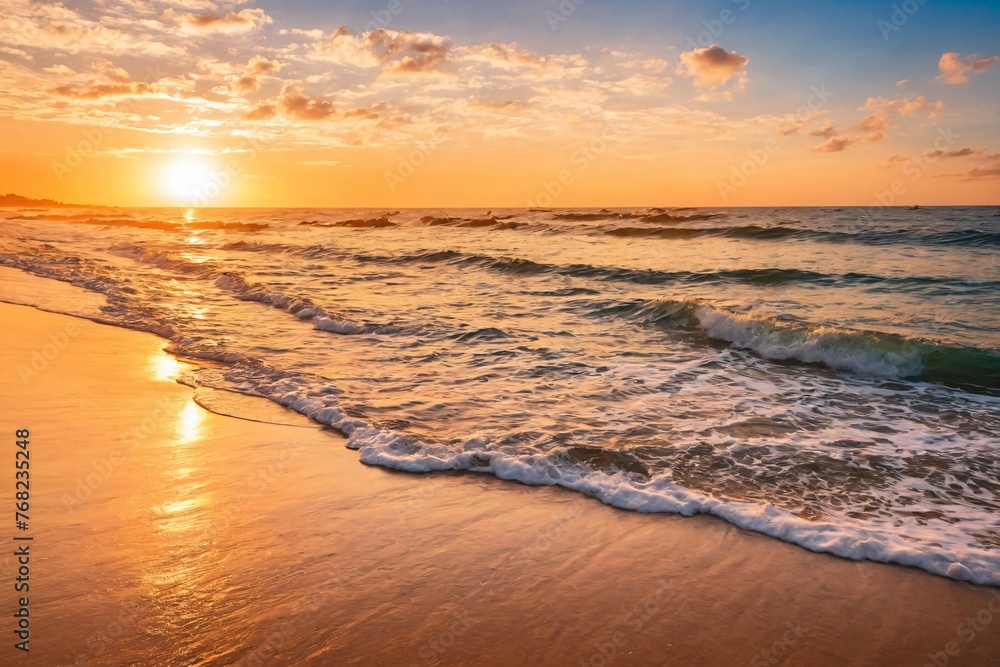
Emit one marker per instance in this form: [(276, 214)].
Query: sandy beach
[(168, 534)]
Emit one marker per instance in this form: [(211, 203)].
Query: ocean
[(826, 376)]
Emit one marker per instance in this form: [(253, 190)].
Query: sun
[(186, 180)]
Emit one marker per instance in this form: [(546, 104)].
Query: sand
[(165, 534)]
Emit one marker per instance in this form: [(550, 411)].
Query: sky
[(465, 103)]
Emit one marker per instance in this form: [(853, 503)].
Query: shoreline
[(212, 538)]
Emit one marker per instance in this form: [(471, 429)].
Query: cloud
[(110, 71), (834, 144), (988, 170), (955, 69), (498, 107), (962, 152), (229, 23), (52, 26), (934, 155), (875, 126), (992, 171), (504, 56), (828, 130), (261, 65), (395, 52), (787, 129), (409, 52), (262, 112), (60, 70), (713, 67), (294, 103), (200, 5), (258, 69), (903, 82), (20, 53), (132, 89)]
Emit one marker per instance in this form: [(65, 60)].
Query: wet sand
[(168, 534)]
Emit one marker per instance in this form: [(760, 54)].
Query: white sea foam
[(933, 552)]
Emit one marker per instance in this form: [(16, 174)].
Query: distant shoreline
[(17, 201), (11, 200)]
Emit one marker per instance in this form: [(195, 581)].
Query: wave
[(374, 223), (615, 477), (304, 309), (165, 261), (867, 353), (62, 217), (653, 215), (629, 487), (969, 237), (239, 286), (105, 220), (491, 221), (762, 277)]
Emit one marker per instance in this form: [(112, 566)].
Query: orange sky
[(208, 104)]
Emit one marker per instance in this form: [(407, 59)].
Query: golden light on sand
[(189, 423), (184, 179), (165, 368)]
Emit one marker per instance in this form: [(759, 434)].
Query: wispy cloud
[(228, 23), (955, 69)]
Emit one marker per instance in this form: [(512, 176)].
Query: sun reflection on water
[(165, 368), (189, 423)]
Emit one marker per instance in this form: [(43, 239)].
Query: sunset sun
[(185, 179)]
